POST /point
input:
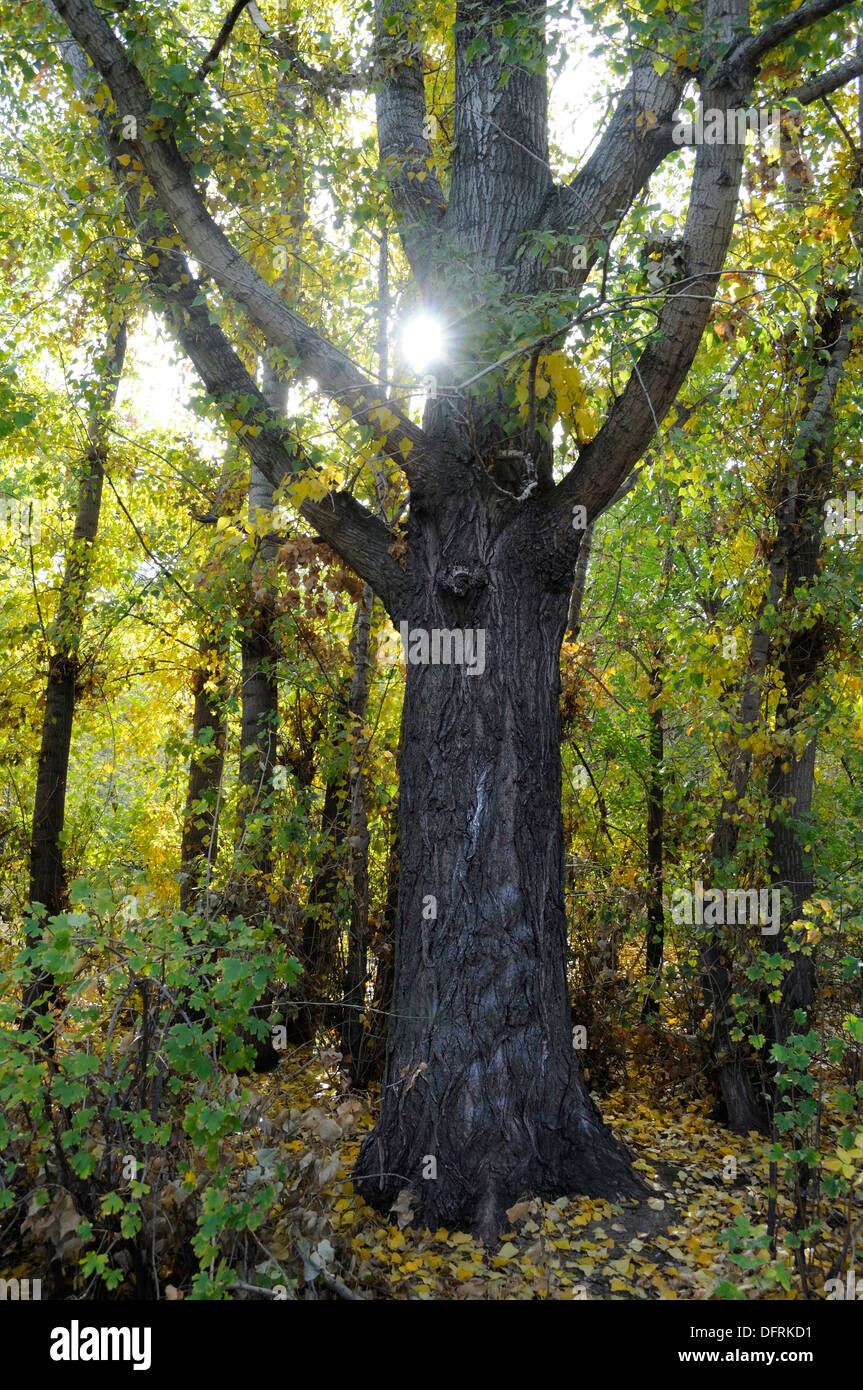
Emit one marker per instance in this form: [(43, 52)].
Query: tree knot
[(461, 581)]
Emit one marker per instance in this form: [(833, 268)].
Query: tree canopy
[(430, 586)]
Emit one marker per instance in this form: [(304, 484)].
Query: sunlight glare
[(422, 341)]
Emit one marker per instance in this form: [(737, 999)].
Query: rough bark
[(354, 1030), (481, 1075)]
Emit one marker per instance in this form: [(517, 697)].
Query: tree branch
[(224, 34), (662, 368), (603, 190), (749, 51), (828, 82), (322, 79), (403, 137), (501, 177), (335, 373), (360, 538)]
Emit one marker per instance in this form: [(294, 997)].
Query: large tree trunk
[(354, 1031), (481, 1073)]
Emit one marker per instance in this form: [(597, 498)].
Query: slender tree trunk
[(655, 808), (206, 763), (383, 948), (791, 779), (355, 1032), (790, 791), (259, 728), (579, 585), (319, 981), (793, 563), (320, 929), (47, 875), (742, 1107), (792, 775), (260, 706)]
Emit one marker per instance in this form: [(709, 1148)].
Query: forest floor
[(666, 1246), (298, 1136)]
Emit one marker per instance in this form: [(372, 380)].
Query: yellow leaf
[(384, 417)]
